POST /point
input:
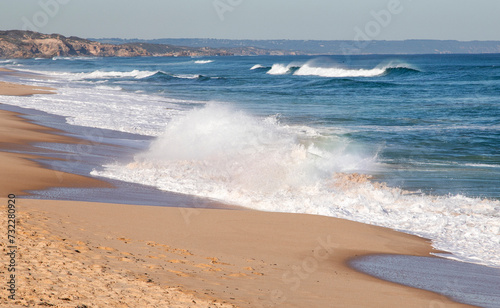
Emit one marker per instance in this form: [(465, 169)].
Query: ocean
[(407, 142)]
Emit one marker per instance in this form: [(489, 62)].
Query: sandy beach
[(8, 88), (89, 254)]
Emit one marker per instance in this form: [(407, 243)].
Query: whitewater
[(358, 141), (223, 154)]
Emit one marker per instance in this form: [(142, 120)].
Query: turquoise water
[(290, 133)]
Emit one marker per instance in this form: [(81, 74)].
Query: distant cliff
[(27, 44), (352, 47)]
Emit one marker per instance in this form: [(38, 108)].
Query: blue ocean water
[(434, 119), (293, 133)]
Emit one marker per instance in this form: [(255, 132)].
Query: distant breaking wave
[(281, 69), (310, 69), (161, 75), (401, 70), (98, 74), (188, 76), (74, 58), (307, 70), (259, 66), (203, 61), (134, 74)]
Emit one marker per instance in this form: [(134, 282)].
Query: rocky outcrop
[(27, 44)]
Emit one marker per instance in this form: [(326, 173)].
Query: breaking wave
[(335, 71), (99, 74), (259, 66), (163, 76), (203, 61), (281, 69), (225, 154)]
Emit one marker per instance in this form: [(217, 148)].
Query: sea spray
[(231, 150), (225, 154)]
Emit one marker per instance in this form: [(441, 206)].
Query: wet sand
[(73, 253)]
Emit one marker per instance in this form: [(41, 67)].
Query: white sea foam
[(115, 88), (203, 61), (138, 74), (281, 69), (257, 66), (75, 58), (483, 165), (308, 70), (187, 76), (315, 68), (104, 107), (435, 128), (225, 154), (98, 74)]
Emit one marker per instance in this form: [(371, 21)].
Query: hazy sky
[(258, 19)]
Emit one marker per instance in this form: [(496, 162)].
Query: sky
[(463, 20)]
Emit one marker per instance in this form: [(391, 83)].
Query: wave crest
[(335, 71), (203, 61), (281, 69), (308, 70), (259, 66), (163, 76), (98, 74)]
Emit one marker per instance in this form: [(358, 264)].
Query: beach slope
[(80, 254)]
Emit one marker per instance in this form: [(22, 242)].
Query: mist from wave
[(219, 152)]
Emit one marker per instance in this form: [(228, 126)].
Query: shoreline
[(20, 170), (16, 89), (237, 258)]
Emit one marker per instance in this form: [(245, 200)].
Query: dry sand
[(76, 254)]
